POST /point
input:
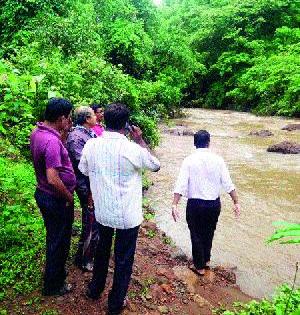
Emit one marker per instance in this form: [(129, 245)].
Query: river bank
[(268, 187), (161, 283)]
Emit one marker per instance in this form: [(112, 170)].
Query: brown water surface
[(268, 185)]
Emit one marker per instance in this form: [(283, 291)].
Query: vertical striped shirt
[(114, 165)]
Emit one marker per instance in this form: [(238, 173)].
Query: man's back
[(114, 165), (202, 176)]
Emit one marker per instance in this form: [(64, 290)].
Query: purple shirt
[(98, 129), (49, 152)]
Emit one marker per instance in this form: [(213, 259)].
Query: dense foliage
[(21, 228), (233, 54), (219, 54), (250, 50)]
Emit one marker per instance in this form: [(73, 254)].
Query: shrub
[(21, 229), (285, 301)]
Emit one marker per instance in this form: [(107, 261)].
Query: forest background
[(220, 54)]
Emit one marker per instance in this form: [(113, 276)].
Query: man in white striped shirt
[(202, 176), (114, 166)]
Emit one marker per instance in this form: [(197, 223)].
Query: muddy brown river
[(268, 185)]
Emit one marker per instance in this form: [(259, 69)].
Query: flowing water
[(268, 186)]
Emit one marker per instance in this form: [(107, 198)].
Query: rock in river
[(261, 133), (179, 131), (291, 127), (285, 147)]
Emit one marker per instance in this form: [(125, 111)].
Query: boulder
[(261, 133), (188, 277), (285, 147), (291, 127), (179, 131)]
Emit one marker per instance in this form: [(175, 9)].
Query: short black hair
[(56, 108), (201, 139), (115, 116), (95, 106)]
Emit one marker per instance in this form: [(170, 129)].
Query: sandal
[(207, 266), (199, 272)]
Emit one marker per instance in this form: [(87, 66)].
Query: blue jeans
[(125, 244), (58, 220)]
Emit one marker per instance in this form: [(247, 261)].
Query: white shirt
[(202, 176), (114, 166)]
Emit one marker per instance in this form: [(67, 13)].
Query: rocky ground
[(161, 283)]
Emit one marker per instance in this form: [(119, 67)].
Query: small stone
[(261, 133), (167, 288), (201, 301), (151, 306), (163, 309), (143, 298), (148, 225), (179, 254), (156, 291), (148, 297)]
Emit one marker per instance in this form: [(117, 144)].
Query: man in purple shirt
[(54, 193)]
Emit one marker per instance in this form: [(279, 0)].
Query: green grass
[(148, 212), (151, 233)]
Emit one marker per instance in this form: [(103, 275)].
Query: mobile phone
[(128, 127)]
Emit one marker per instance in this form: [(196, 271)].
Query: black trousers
[(58, 220), (124, 250), (202, 217), (89, 232)]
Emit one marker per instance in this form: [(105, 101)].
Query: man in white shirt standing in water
[(202, 176)]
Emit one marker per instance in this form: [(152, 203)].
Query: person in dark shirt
[(54, 193), (85, 119)]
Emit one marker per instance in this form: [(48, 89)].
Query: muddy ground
[(161, 283)]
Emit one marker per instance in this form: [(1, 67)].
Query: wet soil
[(161, 283)]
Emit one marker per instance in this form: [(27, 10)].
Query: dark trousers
[(89, 232), (124, 250), (58, 219), (202, 217)]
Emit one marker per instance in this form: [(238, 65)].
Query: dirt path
[(162, 283)]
